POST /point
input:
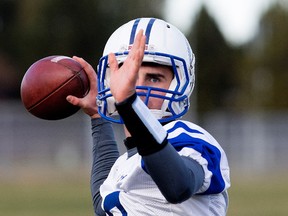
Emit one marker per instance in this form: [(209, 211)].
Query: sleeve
[(105, 153), (178, 178), (183, 177), (145, 129)]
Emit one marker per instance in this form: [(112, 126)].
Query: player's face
[(155, 76)]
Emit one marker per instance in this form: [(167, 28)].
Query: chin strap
[(159, 114)]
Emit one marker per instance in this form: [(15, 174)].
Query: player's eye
[(154, 78)]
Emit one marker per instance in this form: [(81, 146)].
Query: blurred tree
[(7, 21), (216, 66), (266, 67), (35, 29), (273, 29), (8, 69), (77, 27)]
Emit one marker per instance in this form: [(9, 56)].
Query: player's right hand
[(123, 80), (87, 103)]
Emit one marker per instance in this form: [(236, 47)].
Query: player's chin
[(155, 104)]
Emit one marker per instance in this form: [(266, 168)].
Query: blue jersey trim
[(111, 201), (180, 124), (143, 166)]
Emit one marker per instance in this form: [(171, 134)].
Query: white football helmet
[(165, 45)]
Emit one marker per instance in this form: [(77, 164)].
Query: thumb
[(73, 100), (112, 62)]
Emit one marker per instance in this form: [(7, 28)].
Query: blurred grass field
[(259, 195), (61, 195)]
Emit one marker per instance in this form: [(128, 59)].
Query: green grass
[(261, 196), (54, 195), (63, 194)]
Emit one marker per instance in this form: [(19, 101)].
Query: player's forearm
[(148, 133), (177, 178), (105, 152)]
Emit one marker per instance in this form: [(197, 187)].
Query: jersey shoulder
[(185, 131)]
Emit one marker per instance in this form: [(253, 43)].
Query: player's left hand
[(123, 80)]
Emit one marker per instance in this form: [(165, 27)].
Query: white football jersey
[(129, 190)]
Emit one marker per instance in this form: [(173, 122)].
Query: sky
[(237, 19)]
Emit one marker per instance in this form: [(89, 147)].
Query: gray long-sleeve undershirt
[(105, 153)]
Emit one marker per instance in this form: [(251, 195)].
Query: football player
[(172, 166)]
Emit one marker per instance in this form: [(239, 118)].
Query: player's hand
[(123, 80), (87, 103)]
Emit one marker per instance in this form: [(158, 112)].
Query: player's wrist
[(95, 116), (92, 112), (122, 98), (126, 101), (146, 130)]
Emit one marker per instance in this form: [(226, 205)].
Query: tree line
[(252, 76)]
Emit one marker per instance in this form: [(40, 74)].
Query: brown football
[(48, 82)]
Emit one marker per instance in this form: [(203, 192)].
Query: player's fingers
[(90, 108), (89, 71), (136, 54), (139, 44), (140, 41), (73, 100), (87, 67), (113, 62), (142, 45)]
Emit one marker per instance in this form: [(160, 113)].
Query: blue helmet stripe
[(133, 32), (148, 29), (147, 32)]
